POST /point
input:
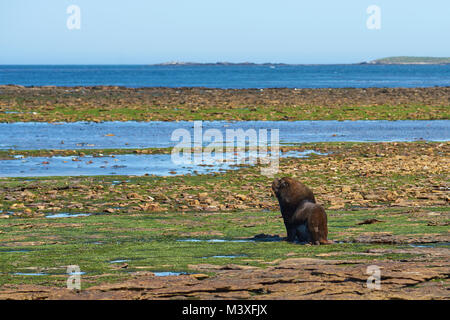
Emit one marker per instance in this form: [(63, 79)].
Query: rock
[(27, 194), (199, 276), (356, 196), (346, 189), (133, 195), (372, 196), (202, 195), (152, 206), (337, 206), (369, 221), (120, 266)]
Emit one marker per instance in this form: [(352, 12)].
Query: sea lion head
[(291, 192), (281, 186)]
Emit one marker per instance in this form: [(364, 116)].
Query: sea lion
[(303, 218)]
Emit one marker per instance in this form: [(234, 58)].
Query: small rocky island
[(410, 60)]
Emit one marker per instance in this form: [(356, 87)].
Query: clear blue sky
[(290, 31)]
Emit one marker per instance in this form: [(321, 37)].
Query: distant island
[(180, 63), (410, 60), (383, 61)]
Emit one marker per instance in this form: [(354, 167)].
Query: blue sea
[(231, 76)]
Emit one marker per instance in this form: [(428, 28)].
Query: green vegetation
[(10, 154), (412, 60), (175, 104), (141, 219), (264, 112), (149, 242)]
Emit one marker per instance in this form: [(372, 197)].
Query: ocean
[(230, 76)]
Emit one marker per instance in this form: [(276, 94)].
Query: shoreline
[(117, 87)]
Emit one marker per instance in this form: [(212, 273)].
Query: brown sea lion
[(303, 218)]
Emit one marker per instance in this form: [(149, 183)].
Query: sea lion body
[(303, 218), (310, 220)]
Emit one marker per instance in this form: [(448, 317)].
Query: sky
[(284, 31)]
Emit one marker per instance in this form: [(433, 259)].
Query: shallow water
[(96, 242), (116, 182), (264, 238), (127, 164), (226, 257), (67, 215), (213, 240), (47, 274), (430, 245), (157, 134), (76, 273), (168, 273), (119, 261)]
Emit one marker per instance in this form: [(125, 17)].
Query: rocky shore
[(146, 104)]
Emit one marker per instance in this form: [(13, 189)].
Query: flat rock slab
[(294, 278)]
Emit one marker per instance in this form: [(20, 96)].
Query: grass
[(149, 242)]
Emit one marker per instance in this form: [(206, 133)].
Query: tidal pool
[(168, 273), (157, 134), (119, 261), (67, 215), (126, 164), (214, 240), (47, 274), (226, 256), (430, 245), (257, 238)]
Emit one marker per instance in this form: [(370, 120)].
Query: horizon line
[(228, 63)]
